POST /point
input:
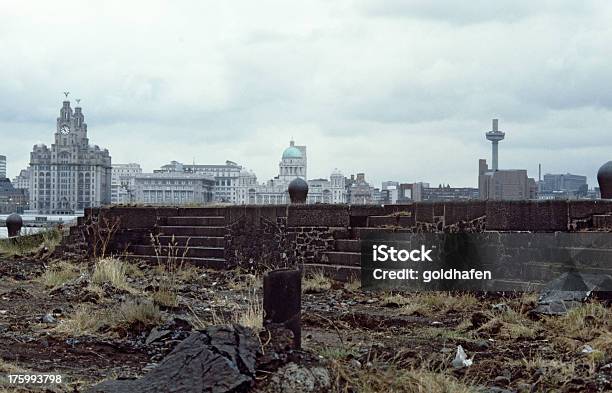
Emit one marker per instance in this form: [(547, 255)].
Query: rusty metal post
[(282, 301)]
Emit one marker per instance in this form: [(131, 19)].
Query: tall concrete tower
[(495, 136)]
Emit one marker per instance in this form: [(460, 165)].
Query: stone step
[(348, 245), (342, 258), (202, 211), (211, 221), (192, 252), (193, 241), (361, 232), (404, 221), (191, 231), (210, 263), (337, 272)]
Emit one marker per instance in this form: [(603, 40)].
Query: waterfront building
[(12, 200), (71, 175), (22, 181), (226, 177), (122, 183), (565, 182), (173, 188), (507, 184)]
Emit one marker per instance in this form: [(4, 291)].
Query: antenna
[(66, 93), (78, 101)]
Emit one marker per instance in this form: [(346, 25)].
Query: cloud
[(401, 90)]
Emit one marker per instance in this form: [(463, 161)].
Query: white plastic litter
[(587, 349), (461, 359)]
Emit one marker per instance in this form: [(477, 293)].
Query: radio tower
[(495, 136)]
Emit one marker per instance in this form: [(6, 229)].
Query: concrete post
[(282, 301)]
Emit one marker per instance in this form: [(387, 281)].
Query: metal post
[(14, 222), (282, 301)]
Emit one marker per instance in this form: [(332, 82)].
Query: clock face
[(65, 130)]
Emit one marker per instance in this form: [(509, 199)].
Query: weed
[(316, 283), (59, 273)]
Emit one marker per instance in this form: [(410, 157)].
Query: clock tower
[(72, 175)]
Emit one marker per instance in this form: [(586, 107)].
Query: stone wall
[(290, 234)]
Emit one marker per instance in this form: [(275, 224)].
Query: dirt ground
[(369, 341)]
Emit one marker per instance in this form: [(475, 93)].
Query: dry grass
[(554, 372), (392, 378), (85, 320), (165, 297), (139, 312), (316, 283), (88, 320), (251, 315), (353, 285), (9, 368), (585, 322), (111, 271), (430, 303), (394, 300), (59, 273), (31, 243)]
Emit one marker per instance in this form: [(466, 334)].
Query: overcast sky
[(401, 90)]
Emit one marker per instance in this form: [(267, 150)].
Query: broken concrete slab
[(220, 359), (570, 290)]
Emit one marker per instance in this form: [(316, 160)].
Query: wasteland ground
[(107, 319)]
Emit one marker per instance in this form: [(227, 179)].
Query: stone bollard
[(282, 301), (604, 178), (298, 190), (14, 224)]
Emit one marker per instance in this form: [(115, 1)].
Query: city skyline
[(395, 92)]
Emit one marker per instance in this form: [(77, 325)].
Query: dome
[(292, 152)]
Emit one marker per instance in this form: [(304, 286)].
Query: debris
[(220, 359), (461, 359), (570, 290), (587, 349), (501, 307), (293, 378), (48, 319)]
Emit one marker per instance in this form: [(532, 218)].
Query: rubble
[(220, 359)]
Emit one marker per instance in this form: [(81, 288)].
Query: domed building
[(293, 164)]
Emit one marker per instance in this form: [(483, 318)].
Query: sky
[(401, 90)]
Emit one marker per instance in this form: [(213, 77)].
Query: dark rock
[(157, 334), (501, 381), (216, 360), (570, 290), (294, 378)]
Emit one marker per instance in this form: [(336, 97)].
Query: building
[(2, 167), (22, 181), (359, 191), (566, 182), (293, 164), (448, 193), (173, 188), (508, 184), (12, 200), (226, 177), (71, 175), (122, 183)]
